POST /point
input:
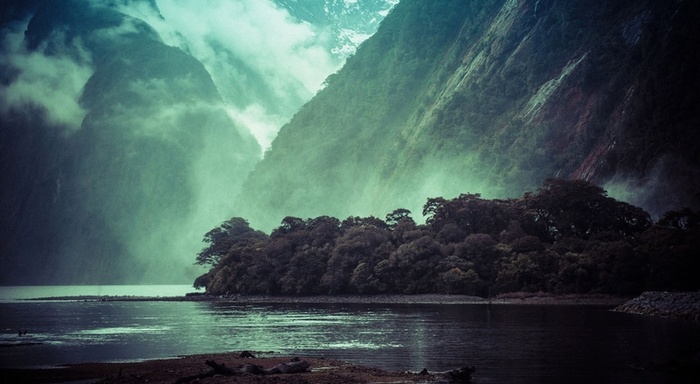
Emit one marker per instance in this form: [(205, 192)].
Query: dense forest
[(567, 237)]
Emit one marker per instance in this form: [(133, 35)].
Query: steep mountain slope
[(492, 97), (127, 127), (123, 190)]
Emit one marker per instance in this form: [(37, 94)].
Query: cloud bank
[(53, 83), (265, 62), (157, 110)]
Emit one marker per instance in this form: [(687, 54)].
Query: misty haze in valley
[(129, 129)]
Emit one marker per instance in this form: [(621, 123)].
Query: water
[(506, 343), (49, 291)]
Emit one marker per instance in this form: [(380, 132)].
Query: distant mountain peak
[(350, 21)]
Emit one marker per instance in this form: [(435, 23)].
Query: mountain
[(266, 57), (128, 127), (349, 22), (123, 191), (492, 97)]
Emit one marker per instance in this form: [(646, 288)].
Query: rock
[(679, 305), (247, 355)]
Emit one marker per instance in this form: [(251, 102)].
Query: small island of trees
[(568, 237)]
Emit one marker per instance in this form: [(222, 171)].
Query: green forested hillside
[(493, 97)]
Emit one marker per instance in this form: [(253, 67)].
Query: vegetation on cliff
[(568, 237), (493, 97)]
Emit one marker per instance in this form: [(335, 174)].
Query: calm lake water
[(506, 343)]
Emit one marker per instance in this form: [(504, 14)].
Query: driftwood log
[(247, 355), (222, 369), (462, 375)]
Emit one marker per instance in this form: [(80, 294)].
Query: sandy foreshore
[(186, 369)]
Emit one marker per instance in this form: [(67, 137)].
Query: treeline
[(568, 237)]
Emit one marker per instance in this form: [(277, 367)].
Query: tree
[(683, 219), (356, 246), (458, 281), (577, 208), (470, 213), (568, 237), (414, 265), (435, 212), (323, 230), (397, 216), (235, 230), (289, 224), (356, 221)]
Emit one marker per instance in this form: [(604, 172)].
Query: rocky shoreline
[(677, 305), (197, 369)]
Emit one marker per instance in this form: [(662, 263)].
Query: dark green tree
[(220, 239), (397, 216), (580, 209)]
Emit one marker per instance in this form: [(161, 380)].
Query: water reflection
[(506, 343), (300, 328)]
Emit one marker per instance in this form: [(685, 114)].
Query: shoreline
[(675, 305), (518, 298), (169, 370), (180, 369)]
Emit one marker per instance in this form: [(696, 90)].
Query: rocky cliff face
[(493, 97)]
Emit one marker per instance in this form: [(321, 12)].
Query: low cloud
[(659, 190), (264, 62), (287, 51), (52, 82), (261, 124)]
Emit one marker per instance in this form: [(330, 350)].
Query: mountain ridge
[(127, 127), (497, 98)]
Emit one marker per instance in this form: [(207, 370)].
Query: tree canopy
[(567, 237)]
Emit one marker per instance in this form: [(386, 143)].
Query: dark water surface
[(506, 343)]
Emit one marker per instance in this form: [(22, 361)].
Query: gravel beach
[(679, 305)]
